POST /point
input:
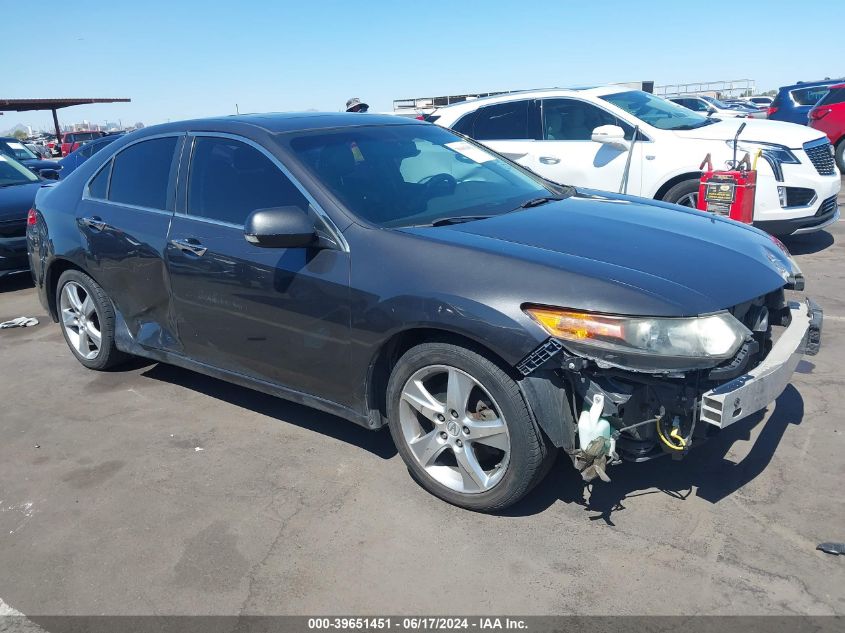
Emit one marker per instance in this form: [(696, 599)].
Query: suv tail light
[(819, 113), (771, 110), (31, 218)]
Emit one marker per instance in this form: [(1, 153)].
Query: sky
[(179, 59)]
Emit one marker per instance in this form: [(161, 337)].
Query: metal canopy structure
[(718, 89), (28, 105)]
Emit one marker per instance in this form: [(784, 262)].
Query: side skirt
[(126, 343)]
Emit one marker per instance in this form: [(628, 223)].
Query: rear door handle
[(190, 245), (94, 222), (549, 160)]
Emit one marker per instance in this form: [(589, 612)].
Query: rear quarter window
[(808, 96), (99, 186), (835, 95)]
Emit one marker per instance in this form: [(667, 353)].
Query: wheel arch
[(400, 342), (51, 281), (545, 394), (666, 186)]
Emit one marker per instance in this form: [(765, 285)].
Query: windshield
[(719, 104), (406, 175), (16, 150), (657, 112), (13, 173)]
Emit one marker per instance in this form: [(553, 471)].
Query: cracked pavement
[(106, 506)]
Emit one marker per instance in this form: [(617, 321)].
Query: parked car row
[(793, 103), (710, 106), (13, 148), (51, 169), (587, 138)]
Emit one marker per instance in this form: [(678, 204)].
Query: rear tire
[(86, 317), (463, 429), (684, 193), (840, 155)]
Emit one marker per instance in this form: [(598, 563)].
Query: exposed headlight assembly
[(776, 155), (645, 343)]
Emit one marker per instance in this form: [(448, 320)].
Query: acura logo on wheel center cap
[(453, 427)]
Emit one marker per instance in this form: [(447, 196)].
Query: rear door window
[(141, 174), (502, 121), (229, 179)]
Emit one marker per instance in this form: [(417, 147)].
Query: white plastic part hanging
[(591, 425)]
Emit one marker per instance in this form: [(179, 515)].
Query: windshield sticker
[(356, 153), (15, 145), (470, 151)]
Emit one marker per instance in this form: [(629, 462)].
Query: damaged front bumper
[(753, 391), (650, 414)]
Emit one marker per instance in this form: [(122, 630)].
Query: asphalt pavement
[(154, 490)]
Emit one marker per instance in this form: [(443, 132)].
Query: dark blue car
[(395, 274), (18, 186), (73, 160), (793, 103)]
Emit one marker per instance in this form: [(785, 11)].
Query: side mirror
[(612, 135), (282, 227), (49, 174)]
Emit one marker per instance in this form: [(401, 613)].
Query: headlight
[(776, 155), (645, 343)]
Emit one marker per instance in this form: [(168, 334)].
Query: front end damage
[(654, 413)]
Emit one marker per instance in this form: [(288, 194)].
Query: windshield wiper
[(536, 202), (458, 219), (695, 127)]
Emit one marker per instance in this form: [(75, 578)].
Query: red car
[(828, 116), (72, 140)]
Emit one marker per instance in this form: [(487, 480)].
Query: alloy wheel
[(454, 429), (80, 320), (689, 200)]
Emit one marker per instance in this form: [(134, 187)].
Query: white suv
[(584, 138)]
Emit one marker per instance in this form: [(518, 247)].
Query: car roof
[(278, 122), (595, 91), (812, 84)]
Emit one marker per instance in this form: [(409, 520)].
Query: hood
[(625, 255), (789, 134), (17, 200), (36, 164)]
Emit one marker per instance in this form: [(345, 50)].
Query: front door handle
[(94, 222), (190, 245), (549, 160)]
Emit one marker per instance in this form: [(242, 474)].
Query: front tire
[(684, 193), (840, 155), (87, 320), (463, 429)]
